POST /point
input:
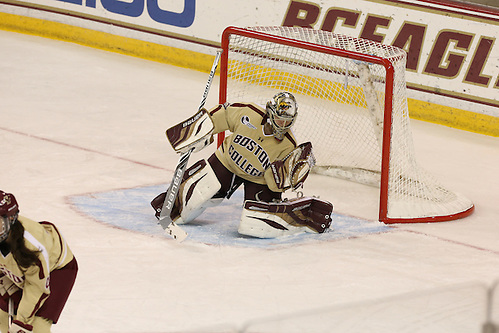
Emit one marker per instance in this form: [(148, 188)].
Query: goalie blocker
[(196, 132)]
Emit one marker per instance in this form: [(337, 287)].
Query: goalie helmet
[(9, 211), (282, 111)]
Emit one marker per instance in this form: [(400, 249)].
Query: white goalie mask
[(282, 111)]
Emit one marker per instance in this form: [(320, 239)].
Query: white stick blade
[(177, 233)]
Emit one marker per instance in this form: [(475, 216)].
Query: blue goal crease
[(130, 209)]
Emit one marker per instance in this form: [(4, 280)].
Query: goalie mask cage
[(352, 106)]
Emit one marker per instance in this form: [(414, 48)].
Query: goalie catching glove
[(196, 132), (291, 171)]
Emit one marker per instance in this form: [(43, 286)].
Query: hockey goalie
[(261, 153)]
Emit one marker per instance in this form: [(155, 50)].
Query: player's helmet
[(282, 111), (9, 211)]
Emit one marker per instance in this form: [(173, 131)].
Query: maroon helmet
[(9, 209)]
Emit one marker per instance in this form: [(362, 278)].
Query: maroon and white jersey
[(53, 253), (248, 151)]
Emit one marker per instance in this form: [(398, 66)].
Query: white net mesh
[(341, 105)]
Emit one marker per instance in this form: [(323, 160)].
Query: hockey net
[(352, 106)]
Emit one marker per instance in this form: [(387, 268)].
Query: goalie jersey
[(248, 151)]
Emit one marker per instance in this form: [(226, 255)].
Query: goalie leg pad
[(195, 194), (276, 219)]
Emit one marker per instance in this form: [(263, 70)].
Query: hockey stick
[(165, 219), (11, 312)]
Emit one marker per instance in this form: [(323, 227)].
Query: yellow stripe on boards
[(106, 41), (452, 117)]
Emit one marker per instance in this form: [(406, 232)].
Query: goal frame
[(387, 112)]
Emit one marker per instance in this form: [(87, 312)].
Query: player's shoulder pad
[(251, 107)]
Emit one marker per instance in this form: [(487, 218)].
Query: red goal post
[(352, 102)]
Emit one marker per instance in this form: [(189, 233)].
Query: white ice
[(80, 121)]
